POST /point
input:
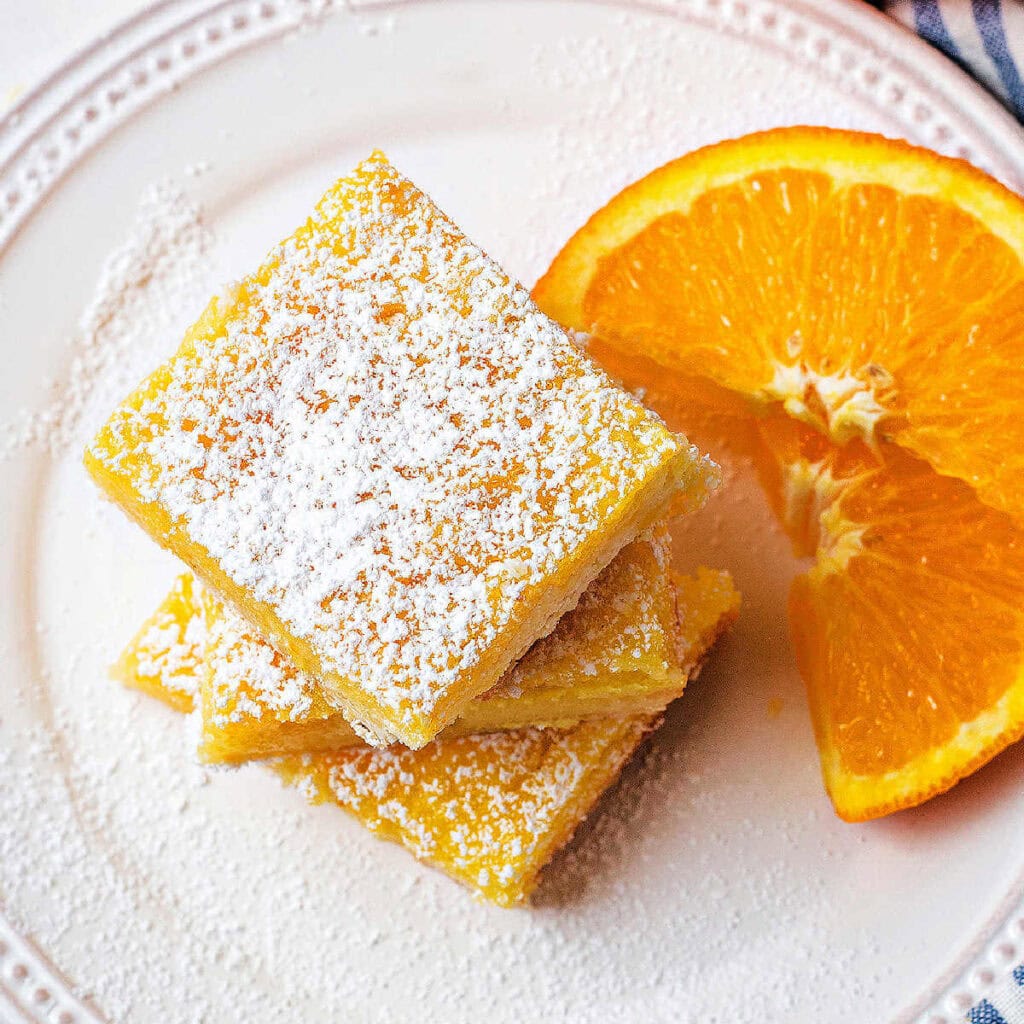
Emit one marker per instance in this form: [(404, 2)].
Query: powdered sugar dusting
[(489, 810), (166, 656), (249, 680), (625, 623), (171, 648), (387, 444), (172, 651), (147, 288)]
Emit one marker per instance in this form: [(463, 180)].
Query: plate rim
[(71, 110), (75, 107)]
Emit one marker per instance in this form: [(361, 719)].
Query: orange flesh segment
[(909, 630)]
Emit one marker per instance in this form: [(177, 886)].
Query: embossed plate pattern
[(722, 887)]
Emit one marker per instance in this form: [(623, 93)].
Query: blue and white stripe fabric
[(985, 37), (1004, 1004)]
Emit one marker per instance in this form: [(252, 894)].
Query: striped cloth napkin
[(1004, 1004), (986, 38)]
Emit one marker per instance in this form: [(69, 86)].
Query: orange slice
[(876, 290), (851, 311)]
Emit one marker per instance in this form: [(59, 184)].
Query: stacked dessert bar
[(428, 574)]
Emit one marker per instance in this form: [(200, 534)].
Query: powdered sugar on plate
[(146, 289)]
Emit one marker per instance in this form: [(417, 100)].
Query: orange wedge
[(909, 627), (850, 310), (874, 289)]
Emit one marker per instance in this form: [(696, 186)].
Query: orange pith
[(861, 303)]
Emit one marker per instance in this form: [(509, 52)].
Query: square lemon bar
[(394, 466), (488, 810), (167, 657), (613, 655)]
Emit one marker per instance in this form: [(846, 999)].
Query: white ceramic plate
[(715, 883)]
